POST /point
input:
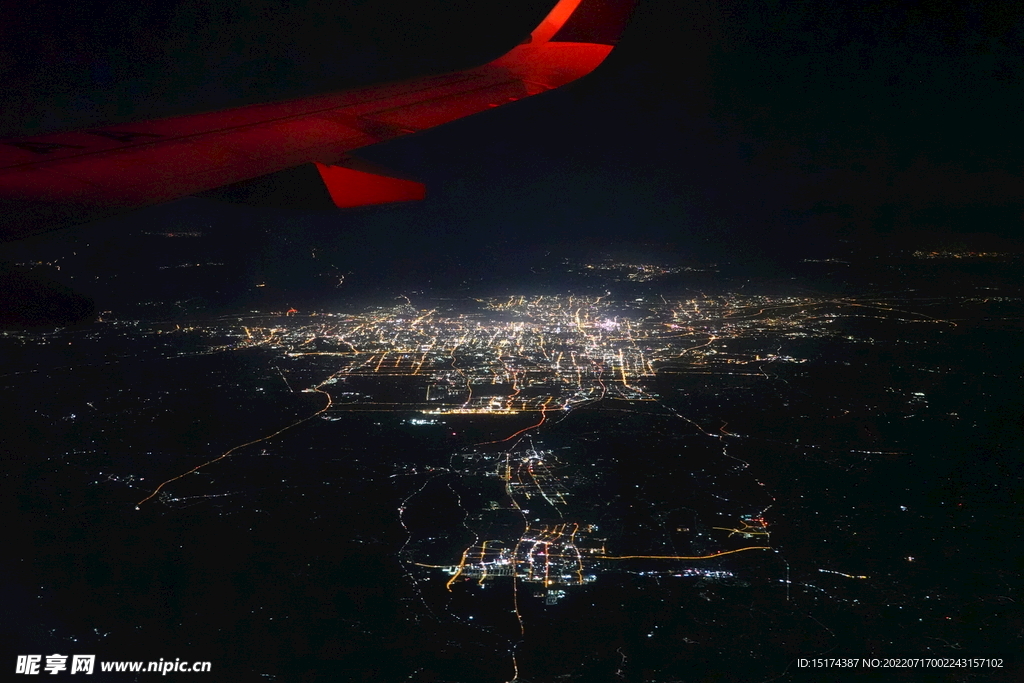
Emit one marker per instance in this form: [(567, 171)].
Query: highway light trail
[(681, 557), (225, 454)]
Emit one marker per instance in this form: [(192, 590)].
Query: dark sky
[(774, 127)]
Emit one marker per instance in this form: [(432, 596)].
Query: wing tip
[(584, 21)]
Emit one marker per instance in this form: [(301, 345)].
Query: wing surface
[(60, 179)]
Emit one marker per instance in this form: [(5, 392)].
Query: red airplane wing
[(60, 179)]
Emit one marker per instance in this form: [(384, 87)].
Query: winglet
[(572, 41), (584, 21), (555, 19)]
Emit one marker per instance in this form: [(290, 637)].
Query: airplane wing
[(51, 181)]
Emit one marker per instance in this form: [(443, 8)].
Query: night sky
[(750, 135), (757, 130)]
